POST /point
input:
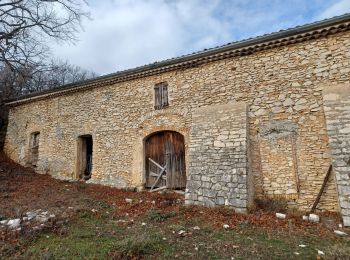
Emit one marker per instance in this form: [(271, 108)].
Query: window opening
[(34, 148)]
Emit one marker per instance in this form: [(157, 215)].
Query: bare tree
[(56, 74), (26, 26), (31, 79)]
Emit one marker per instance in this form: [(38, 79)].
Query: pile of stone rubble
[(33, 220)]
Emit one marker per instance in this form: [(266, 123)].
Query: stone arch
[(164, 153), (157, 122)]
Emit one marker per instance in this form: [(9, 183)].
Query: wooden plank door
[(166, 148), (175, 159), (155, 150)]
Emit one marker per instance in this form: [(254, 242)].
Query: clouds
[(340, 7), (125, 34), (129, 33)]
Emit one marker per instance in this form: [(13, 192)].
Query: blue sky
[(124, 34)]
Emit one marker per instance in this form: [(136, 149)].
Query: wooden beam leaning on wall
[(326, 178)]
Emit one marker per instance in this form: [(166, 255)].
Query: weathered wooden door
[(167, 149)]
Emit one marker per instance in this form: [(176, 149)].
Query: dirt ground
[(138, 225)]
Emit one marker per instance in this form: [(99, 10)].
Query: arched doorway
[(165, 160)]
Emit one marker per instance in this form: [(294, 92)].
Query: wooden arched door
[(165, 155)]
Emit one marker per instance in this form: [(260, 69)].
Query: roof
[(238, 48)]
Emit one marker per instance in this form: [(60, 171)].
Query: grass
[(95, 222), (87, 237), (138, 246), (101, 236)]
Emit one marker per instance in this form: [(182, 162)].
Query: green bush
[(159, 216)]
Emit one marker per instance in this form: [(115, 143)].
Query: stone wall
[(218, 157), (337, 110), (279, 84), (279, 169)]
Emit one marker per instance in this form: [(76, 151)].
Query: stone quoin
[(263, 117)]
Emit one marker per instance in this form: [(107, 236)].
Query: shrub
[(159, 216), (271, 204)]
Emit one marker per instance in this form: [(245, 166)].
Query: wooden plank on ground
[(158, 189)]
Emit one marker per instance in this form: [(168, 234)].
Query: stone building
[(263, 117)]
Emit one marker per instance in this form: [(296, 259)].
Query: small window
[(161, 95), (34, 148)]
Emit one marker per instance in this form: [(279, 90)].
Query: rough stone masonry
[(251, 114), (218, 157), (337, 109)]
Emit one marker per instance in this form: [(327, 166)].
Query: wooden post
[(322, 189)]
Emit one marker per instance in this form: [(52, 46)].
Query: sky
[(123, 34)]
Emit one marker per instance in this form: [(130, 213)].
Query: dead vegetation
[(105, 222)]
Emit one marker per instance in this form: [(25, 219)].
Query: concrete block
[(314, 218), (281, 215)]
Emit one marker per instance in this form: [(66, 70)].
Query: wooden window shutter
[(157, 97), (165, 95), (161, 95)]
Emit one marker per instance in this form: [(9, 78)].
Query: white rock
[(319, 252), (314, 218), (14, 223), (281, 215), (31, 215), (128, 200), (302, 245), (4, 222), (340, 233), (41, 219), (181, 232), (225, 226), (306, 218), (340, 225), (143, 224), (196, 228)]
